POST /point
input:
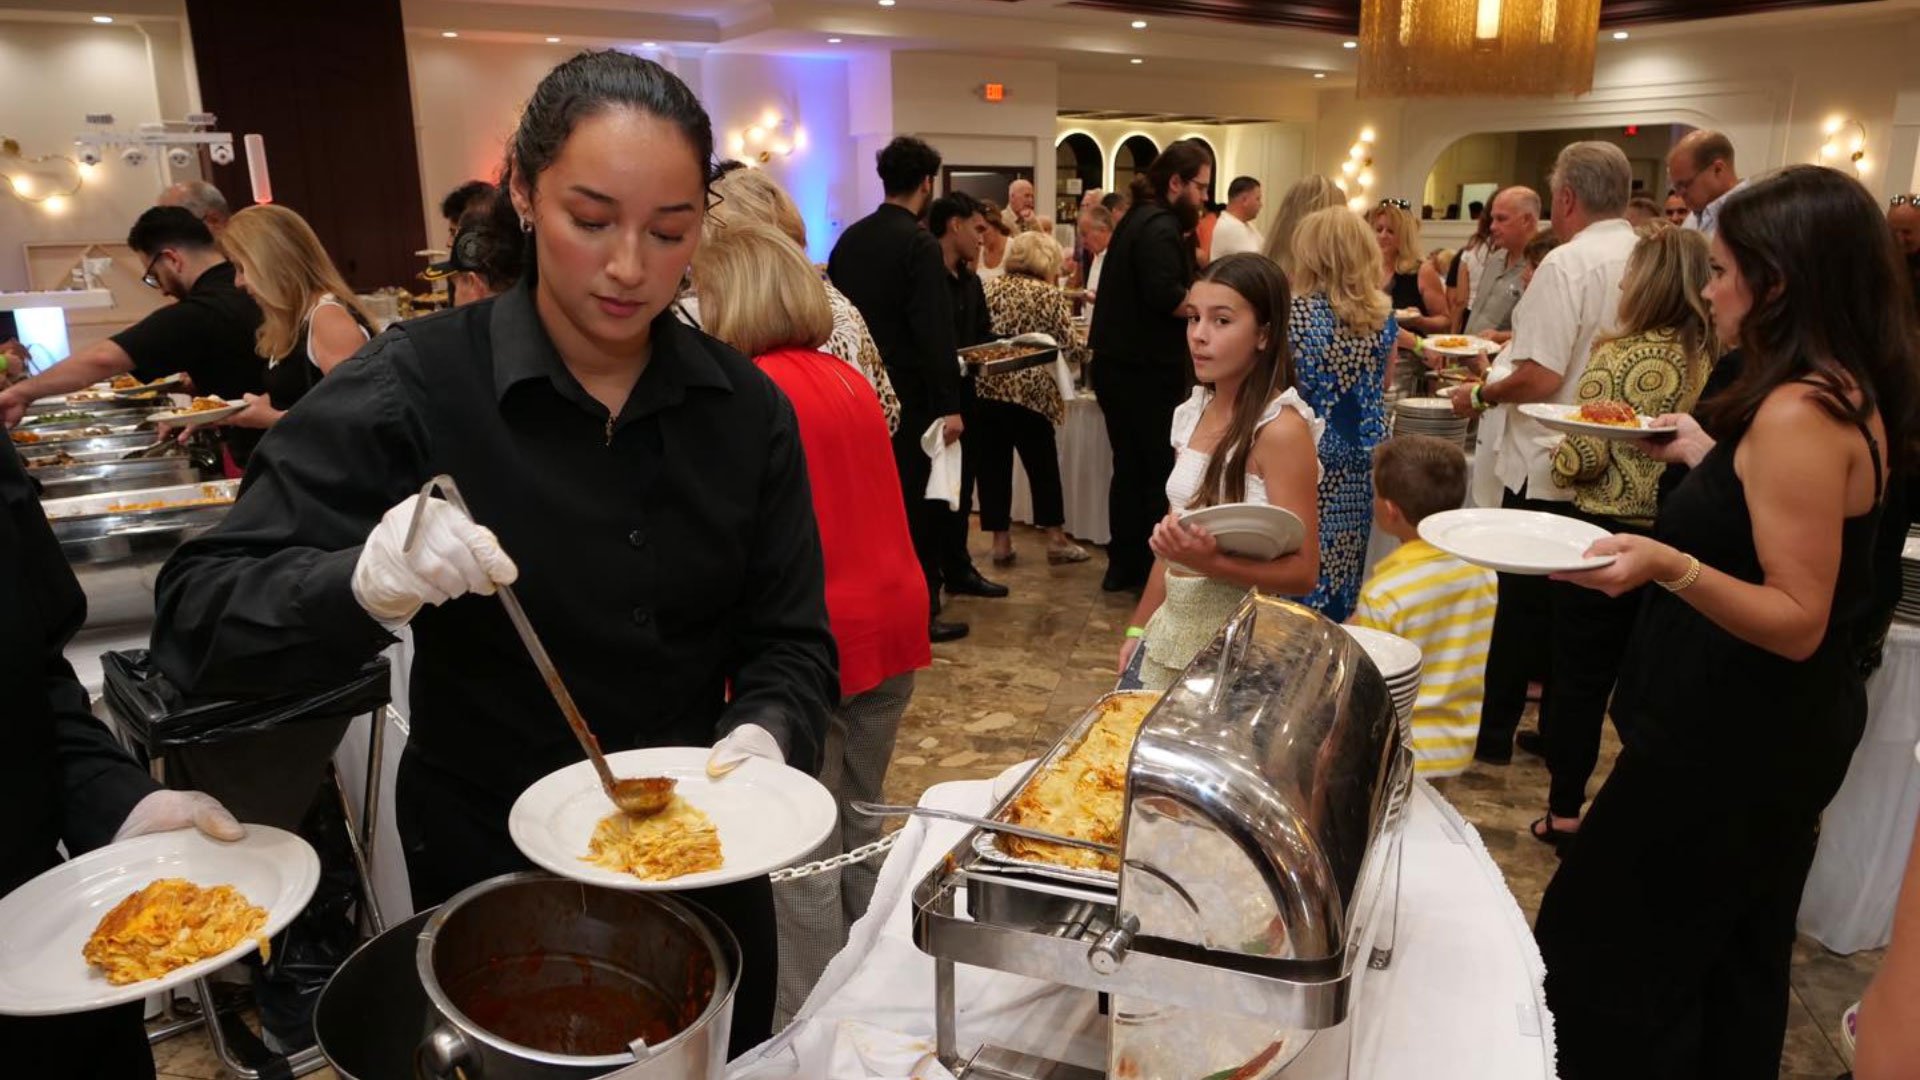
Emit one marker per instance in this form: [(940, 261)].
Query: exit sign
[(994, 92)]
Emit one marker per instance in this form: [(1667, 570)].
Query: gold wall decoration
[(1477, 48)]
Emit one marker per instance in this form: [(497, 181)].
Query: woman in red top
[(759, 294)]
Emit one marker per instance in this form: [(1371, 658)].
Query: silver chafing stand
[(1259, 877)]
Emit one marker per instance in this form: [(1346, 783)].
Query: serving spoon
[(641, 798)]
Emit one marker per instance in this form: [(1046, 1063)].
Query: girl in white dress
[(1244, 436)]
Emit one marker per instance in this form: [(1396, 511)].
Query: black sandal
[(1542, 830)]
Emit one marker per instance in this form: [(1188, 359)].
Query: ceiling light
[(1139, 24), (553, 41), (448, 34), (647, 45), (103, 19), (886, 3), (1136, 60), (1349, 44), (1319, 74), (833, 41), (1620, 35)]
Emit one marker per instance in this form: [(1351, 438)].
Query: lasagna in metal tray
[(1081, 793)]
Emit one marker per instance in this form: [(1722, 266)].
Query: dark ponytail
[(584, 86)]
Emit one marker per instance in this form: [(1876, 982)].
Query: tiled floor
[(1036, 658)]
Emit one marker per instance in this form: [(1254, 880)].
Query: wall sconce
[(771, 136), (1846, 140), (47, 182), (1356, 173)]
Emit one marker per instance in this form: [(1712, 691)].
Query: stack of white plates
[(1908, 609), (1399, 662), (1429, 416)]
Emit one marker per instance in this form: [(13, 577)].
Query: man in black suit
[(893, 271), (64, 780), (1139, 339)]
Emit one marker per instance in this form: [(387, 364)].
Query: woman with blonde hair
[(1019, 410), (1417, 290), (1308, 195), (1343, 333), (751, 195), (310, 319), (759, 294), (1657, 362)]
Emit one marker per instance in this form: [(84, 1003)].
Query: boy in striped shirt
[(1432, 599)]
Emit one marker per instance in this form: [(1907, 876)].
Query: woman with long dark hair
[(1243, 435), (1740, 698), (647, 481), (1138, 338)]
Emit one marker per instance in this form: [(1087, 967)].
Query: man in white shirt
[(1700, 166), (1096, 232), (1574, 298), (1234, 232), (1019, 209)]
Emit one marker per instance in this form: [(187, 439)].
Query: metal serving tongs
[(984, 824), (641, 798)]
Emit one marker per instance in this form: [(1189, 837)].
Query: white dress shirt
[(1708, 220), (1574, 298), (1232, 236), (1093, 272)]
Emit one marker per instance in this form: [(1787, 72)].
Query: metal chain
[(859, 854)]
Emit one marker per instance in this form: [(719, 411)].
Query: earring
[(526, 225)]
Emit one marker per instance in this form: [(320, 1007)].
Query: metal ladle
[(641, 798)]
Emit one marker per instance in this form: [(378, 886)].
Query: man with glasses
[(1700, 167), (207, 332)]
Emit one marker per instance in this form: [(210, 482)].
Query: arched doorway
[(1133, 157), (1076, 157)]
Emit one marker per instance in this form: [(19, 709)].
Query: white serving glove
[(166, 810), (743, 742), (452, 557)]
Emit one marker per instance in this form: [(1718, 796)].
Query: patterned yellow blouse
[(1018, 304), (1653, 373)]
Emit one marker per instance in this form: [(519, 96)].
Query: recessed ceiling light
[(553, 41), (1319, 74), (647, 45), (1136, 60), (448, 33), (103, 19), (1619, 35), (1139, 24), (886, 3), (833, 41), (1349, 44)]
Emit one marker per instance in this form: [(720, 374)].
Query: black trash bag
[(153, 711)]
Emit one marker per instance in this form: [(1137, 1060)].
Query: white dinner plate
[(195, 419), (1566, 419), (1515, 541), (1397, 658), (1250, 530), (1474, 347), (46, 922), (769, 815)]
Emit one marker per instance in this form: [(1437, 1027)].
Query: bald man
[(1903, 217), (1701, 168), (1019, 209), (200, 198)]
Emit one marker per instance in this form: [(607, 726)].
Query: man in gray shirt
[(1516, 220)]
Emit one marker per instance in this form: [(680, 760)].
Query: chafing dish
[(122, 441), (102, 528), (1265, 795), (76, 417), (102, 476)]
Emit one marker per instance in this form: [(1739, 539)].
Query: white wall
[(813, 96), (56, 73), (935, 96)]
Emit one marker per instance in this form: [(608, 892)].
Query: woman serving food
[(647, 481)]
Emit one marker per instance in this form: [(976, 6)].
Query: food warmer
[(135, 525), (1258, 881)]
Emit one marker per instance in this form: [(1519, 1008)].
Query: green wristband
[(1136, 631), (1479, 402)]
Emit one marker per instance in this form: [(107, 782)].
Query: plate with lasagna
[(201, 410), (1460, 345), (1598, 419), (133, 918), (760, 817)]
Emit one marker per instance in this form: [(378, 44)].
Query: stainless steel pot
[(535, 976), (370, 1014)]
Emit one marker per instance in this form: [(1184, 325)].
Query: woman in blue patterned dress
[(1343, 332)]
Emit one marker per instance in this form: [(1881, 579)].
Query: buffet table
[(1461, 999), (1868, 828), (1086, 468)]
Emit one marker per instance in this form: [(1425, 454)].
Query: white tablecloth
[(1461, 999), (1866, 831), (1086, 467)]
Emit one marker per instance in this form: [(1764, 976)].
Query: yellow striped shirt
[(1445, 606)]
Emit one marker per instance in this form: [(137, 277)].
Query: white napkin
[(943, 479), (865, 1052)]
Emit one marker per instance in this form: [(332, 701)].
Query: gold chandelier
[(1471, 48)]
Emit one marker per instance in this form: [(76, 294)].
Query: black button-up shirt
[(209, 334), (972, 322), (892, 270), (668, 556)]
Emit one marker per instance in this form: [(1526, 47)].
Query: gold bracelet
[(1686, 580)]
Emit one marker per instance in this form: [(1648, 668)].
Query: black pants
[(106, 1044), (1137, 398), (1521, 649), (454, 834), (1668, 930), (1590, 631), (928, 522), (998, 429)]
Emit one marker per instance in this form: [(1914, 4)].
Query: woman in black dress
[(1668, 931)]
